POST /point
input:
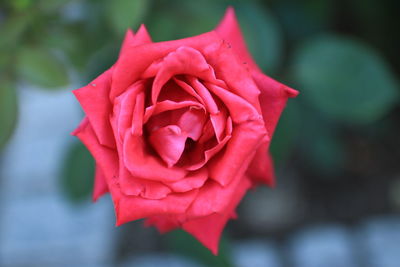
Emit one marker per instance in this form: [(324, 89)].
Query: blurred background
[(337, 146)]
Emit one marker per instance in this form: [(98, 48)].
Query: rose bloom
[(180, 130)]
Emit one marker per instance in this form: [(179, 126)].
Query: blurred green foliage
[(40, 67), (78, 173), (8, 110), (185, 244), (342, 56), (346, 79)]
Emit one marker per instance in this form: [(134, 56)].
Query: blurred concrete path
[(38, 226)]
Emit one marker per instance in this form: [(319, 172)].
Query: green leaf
[(262, 33), (12, 29), (8, 111), (185, 244), (78, 173), (41, 68), (124, 14), (345, 79)]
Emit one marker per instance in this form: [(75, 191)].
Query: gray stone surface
[(38, 226), (256, 253), (322, 246), (273, 209), (158, 260), (380, 240)]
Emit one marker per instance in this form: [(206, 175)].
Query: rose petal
[(168, 105), (100, 185), (106, 158), (214, 198), (142, 36), (94, 97), (128, 69), (232, 74), (246, 138), (261, 169), (273, 99), (185, 60), (229, 30), (171, 93), (147, 189), (169, 142), (128, 41), (208, 229), (131, 40), (196, 162), (208, 132), (164, 223), (219, 122), (239, 109), (127, 109), (97, 106), (188, 89), (137, 117), (134, 208), (142, 164), (204, 93), (193, 180), (191, 122)]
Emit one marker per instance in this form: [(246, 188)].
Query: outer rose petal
[(214, 198), (261, 169), (232, 73), (164, 223), (97, 106), (131, 40), (94, 98), (128, 41), (129, 208), (134, 208), (195, 179), (245, 140), (273, 99), (229, 30), (128, 69), (208, 229), (106, 159), (273, 95), (132, 186), (100, 184)]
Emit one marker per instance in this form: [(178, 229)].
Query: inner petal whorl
[(169, 142)]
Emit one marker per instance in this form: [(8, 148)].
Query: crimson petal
[(169, 142), (100, 185)]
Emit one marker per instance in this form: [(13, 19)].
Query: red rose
[(180, 129)]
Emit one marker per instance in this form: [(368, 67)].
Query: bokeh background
[(337, 146)]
